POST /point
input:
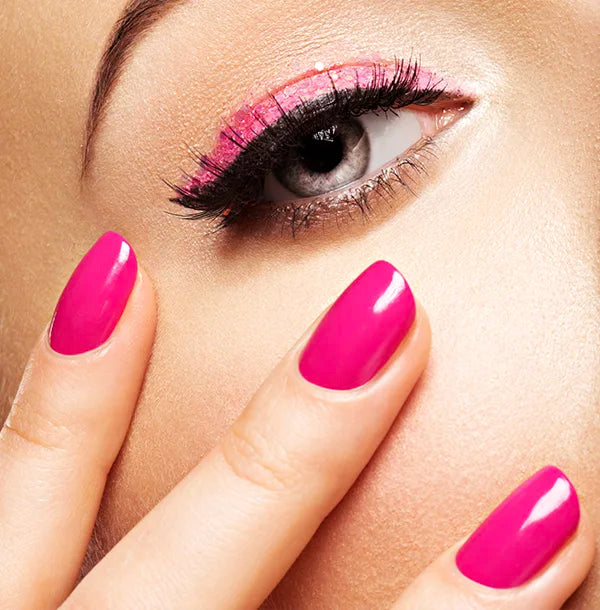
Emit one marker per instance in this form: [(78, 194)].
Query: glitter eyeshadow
[(252, 119)]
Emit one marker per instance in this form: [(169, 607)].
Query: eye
[(324, 144), (339, 154)]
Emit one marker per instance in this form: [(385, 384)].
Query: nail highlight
[(360, 332), (523, 533), (95, 296)]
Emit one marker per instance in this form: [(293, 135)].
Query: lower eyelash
[(299, 215)]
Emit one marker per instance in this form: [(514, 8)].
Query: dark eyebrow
[(137, 19)]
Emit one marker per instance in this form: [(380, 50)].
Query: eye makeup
[(308, 114)]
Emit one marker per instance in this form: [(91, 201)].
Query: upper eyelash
[(240, 183)]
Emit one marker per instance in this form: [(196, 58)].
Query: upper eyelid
[(255, 117)]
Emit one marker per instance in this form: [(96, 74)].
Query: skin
[(275, 474), (513, 380)]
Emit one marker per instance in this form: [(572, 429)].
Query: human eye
[(325, 145)]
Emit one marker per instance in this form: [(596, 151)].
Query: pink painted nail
[(522, 534), (361, 331), (94, 298)]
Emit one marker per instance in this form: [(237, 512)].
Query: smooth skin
[(501, 245), (228, 532)]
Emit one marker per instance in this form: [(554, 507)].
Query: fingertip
[(360, 332), (93, 390), (532, 551), (135, 326), (566, 571)]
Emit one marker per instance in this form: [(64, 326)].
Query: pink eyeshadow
[(251, 119)]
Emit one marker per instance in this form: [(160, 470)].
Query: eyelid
[(230, 193)]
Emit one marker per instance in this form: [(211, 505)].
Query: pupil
[(322, 151)]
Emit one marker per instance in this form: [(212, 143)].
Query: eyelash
[(232, 197)]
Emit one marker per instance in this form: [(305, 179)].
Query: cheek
[(511, 386)]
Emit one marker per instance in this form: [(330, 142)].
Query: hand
[(228, 532)]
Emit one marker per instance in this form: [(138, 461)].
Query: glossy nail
[(94, 298), (522, 534), (362, 329)]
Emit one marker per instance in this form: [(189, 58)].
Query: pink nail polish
[(360, 332), (522, 534), (95, 296)]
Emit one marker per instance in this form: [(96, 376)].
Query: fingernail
[(522, 534), (361, 330), (95, 296)]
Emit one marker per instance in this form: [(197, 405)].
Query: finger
[(228, 532), (68, 422), (533, 551)]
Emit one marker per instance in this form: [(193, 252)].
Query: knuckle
[(31, 439), (38, 428), (260, 460)]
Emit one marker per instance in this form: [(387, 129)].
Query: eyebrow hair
[(137, 19)]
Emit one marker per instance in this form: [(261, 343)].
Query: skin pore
[(500, 244)]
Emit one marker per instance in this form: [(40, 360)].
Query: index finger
[(68, 421)]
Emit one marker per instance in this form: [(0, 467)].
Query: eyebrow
[(136, 19)]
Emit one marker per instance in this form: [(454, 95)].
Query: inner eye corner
[(443, 114)]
